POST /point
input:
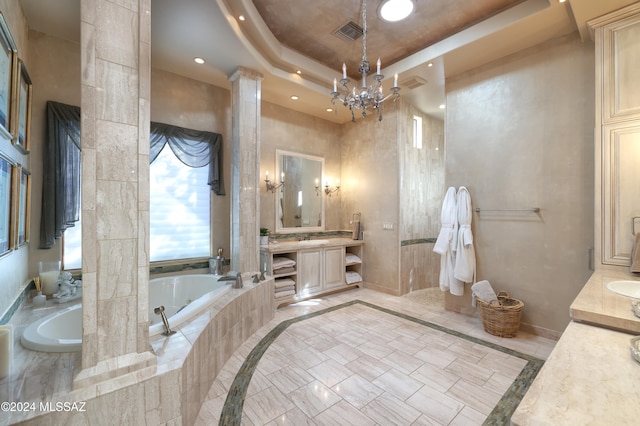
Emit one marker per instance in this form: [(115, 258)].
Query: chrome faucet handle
[(255, 279), (262, 277)]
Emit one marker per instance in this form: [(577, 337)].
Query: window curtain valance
[(62, 164), (61, 172), (194, 148)]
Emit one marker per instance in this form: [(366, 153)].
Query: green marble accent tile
[(501, 414), (417, 241)]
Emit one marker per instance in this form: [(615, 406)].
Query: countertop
[(597, 305), (281, 246), (589, 378)]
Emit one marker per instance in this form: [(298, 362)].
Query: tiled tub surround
[(170, 391)]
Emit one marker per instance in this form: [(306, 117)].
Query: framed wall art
[(6, 204), (23, 109), (24, 205), (8, 58)]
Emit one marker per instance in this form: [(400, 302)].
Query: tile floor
[(361, 366)]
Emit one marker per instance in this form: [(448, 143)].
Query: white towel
[(284, 294), (465, 264), (284, 282), (352, 277), (352, 258), (282, 262), (446, 243), (483, 291)]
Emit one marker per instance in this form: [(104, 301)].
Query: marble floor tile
[(362, 357)]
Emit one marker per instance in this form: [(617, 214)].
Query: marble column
[(245, 179), (115, 104)]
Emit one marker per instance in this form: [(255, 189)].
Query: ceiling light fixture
[(396, 10), (241, 17), (367, 97), (198, 60), (294, 97)]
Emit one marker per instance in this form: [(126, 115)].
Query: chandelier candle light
[(368, 97)]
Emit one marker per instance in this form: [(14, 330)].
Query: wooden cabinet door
[(333, 267), (309, 272)]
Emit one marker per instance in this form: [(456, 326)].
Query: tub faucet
[(160, 311), (237, 279)]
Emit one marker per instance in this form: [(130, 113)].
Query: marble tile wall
[(421, 192), (115, 97), (520, 135), (245, 106)]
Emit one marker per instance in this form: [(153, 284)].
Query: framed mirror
[(299, 202)]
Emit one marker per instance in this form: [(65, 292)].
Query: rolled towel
[(635, 255), (483, 291)]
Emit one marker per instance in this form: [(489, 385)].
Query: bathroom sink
[(626, 288), (312, 242)]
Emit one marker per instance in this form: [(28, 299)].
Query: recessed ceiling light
[(198, 60), (430, 64), (298, 72), (329, 109), (241, 17), (441, 106), (395, 10), (294, 97)]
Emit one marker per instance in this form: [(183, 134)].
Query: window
[(417, 132), (179, 213), (184, 171), (179, 210)]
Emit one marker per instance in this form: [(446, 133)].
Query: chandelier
[(366, 97)]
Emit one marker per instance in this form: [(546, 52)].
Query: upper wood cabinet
[(617, 41)]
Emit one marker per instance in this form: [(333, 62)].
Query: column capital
[(246, 73)]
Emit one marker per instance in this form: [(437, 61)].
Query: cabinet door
[(620, 191), (621, 63), (333, 267), (309, 272)]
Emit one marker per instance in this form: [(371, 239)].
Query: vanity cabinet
[(617, 39), (318, 269)]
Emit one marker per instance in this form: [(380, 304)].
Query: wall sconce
[(272, 186), (328, 190)]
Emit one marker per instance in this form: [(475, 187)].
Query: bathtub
[(183, 297)]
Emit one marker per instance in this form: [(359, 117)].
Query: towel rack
[(532, 210)]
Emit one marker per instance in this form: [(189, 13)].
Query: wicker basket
[(501, 317)]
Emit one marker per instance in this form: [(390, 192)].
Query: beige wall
[(195, 105), (519, 134), (290, 130)]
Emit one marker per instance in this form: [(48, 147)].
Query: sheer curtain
[(61, 172), (61, 164)]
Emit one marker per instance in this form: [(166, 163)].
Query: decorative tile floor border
[(500, 415)]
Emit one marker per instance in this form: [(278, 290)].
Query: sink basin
[(312, 242), (626, 288)]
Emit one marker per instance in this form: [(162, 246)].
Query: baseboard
[(540, 331)]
